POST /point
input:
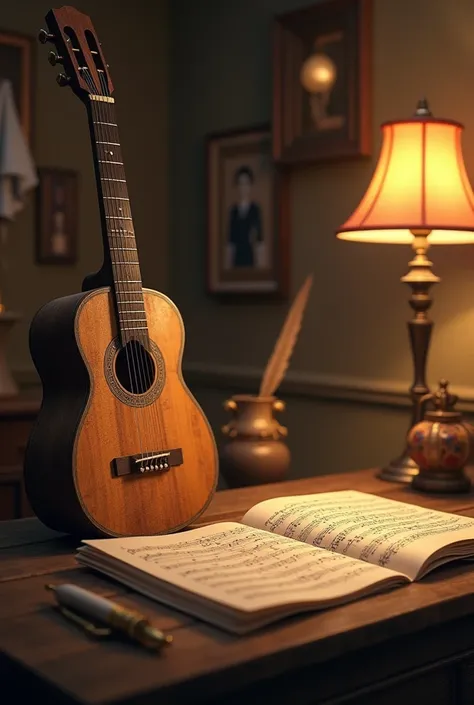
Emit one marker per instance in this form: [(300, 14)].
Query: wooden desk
[(414, 645)]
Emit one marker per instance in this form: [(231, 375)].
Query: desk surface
[(42, 653)]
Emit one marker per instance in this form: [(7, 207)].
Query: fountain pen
[(101, 617)]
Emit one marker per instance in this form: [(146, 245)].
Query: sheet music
[(381, 531), (244, 567)]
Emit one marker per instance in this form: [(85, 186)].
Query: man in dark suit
[(245, 222)]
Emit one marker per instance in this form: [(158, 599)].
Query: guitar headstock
[(79, 51)]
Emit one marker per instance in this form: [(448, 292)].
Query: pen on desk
[(82, 605)]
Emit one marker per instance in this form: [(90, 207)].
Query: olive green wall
[(135, 42), (206, 66), (346, 397)]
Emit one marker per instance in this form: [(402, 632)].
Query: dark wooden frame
[(42, 253), (27, 46), (291, 145), (281, 221)]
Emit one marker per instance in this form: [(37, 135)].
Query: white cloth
[(17, 170)]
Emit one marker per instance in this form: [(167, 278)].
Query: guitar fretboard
[(117, 213)]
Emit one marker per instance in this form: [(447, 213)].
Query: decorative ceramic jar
[(440, 445), (254, 452)]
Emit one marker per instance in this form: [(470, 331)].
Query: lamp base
[(402, 469), (443, 481)]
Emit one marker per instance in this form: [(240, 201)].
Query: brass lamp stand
[(419, 191), (420, 278)]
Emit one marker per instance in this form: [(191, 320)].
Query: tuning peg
[(62, 80), (54, 58), (45, 36)]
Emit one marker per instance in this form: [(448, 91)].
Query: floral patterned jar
[(440, 445)]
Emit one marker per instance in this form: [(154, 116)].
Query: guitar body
[(90, 418), (120, 446)]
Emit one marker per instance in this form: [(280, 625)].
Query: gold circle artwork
[(318, 73)]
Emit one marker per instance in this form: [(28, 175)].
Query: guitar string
[(118, 231), (145, 370), (124, 289), (114, 263), (98, 129)]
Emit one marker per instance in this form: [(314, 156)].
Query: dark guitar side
[(83, 424)]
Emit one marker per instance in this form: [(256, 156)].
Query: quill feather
[(280, 358)]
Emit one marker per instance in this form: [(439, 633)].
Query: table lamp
[(419, 195)]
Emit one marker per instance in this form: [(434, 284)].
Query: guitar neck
[(120, 247)]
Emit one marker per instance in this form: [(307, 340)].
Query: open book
[(288, 555)]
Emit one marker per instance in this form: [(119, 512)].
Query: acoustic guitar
[(120, 446)]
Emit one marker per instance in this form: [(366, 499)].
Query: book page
[(374, 529), (237, 566)]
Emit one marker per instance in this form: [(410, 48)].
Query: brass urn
[(441, 445), (254, 452)]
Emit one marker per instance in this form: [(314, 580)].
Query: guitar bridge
[(144, 463)]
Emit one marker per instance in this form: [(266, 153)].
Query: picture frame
[(247, 216), (57, 216), (322, 82), (17, 57)]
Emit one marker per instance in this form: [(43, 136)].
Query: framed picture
[(322, 82), (56, 231), (248, 220), (16, 65)]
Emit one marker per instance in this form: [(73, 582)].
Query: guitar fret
[(128, 293)]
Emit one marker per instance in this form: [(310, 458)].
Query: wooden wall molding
[(341, 388), (378, 392)]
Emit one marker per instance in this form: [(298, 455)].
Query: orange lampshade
[(419, 183)]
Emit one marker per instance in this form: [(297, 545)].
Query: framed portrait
[(247, 216), (322, 82), (57, 208), (16, 66)]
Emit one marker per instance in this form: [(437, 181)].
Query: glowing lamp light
[(419, 194), (419, 184)]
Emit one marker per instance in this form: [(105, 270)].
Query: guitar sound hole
[(135, 368)]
